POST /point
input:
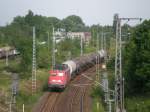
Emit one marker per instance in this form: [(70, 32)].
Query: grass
[(28, 101), (97, 103), (24, 95), (5, 83), (2, 65), (133, 104), (13, 65), (138, 104), (5, 77)]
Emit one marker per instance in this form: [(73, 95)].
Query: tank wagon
[(61, 74)]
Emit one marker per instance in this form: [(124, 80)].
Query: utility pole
[(119, 98), (69, 55), (97, 41), (119, 80), (81, 45), (105, 43), (53, 49), (10, 108), (23, 108), (34, 63), (15, 83), (102, 39), (97, 57), (104, 76), (7, 57), (97, 68), (7, 52), (48, 41)]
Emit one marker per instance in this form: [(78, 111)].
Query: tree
[(19, 34), (29, 18), (66, 46), (43, 56), (73, 23), (137, 60)]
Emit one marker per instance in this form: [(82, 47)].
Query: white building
[(61, 35), (86, 36)]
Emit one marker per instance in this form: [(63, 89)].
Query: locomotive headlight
[(60, 74), (54, 80), (59, 80)]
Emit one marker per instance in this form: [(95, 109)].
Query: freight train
[(61, 74)]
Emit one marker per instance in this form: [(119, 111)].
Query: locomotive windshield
[(60, 67)]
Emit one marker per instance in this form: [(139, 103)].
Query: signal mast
[(119, 79)]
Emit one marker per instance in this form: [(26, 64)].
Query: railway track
[(83, 84), (75, 98)]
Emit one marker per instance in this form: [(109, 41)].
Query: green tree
[(68, 48), (43, 57), (137, 60), (73, 23)]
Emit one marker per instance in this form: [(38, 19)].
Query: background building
[(86, 36)]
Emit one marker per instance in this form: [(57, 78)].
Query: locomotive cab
[(59, 76)]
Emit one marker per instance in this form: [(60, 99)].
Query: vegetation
[(25, 97), (73, 23), (98, 99), (136, 56), (136, 64), (19, 34), (136, 69), (137, 60)]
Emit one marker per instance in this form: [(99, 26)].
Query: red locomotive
[(62, 74), (59, 76)]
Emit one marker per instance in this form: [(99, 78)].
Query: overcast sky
[(91, 11)]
